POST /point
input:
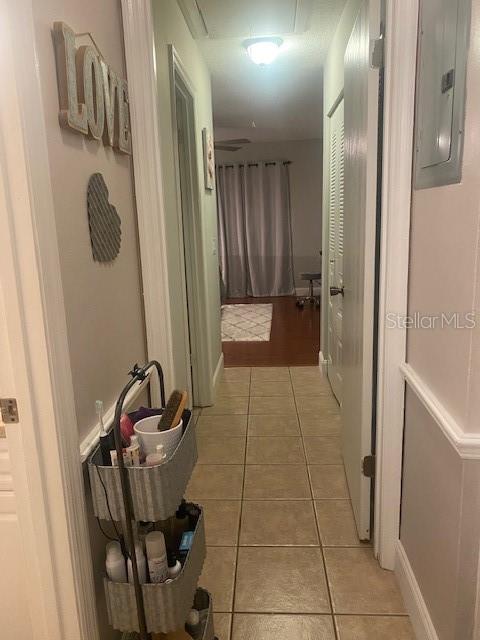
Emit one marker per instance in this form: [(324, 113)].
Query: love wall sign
[(93, 98)]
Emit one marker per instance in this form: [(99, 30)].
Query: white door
[(14, 606), (335, 250), (361, 91)]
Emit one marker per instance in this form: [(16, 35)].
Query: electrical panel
[(441, 76)]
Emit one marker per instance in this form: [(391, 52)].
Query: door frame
[(401, 36), (48, 479), (196, 323)]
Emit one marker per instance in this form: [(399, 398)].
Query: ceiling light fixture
[(263, 51)]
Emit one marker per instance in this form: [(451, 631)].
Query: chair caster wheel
[(300, 304)]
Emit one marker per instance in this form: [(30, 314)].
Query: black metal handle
[(336, 291), (138, 375)]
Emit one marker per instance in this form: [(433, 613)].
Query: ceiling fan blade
[(235, 141), (223, 147)]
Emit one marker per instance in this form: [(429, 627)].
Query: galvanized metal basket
[(166, 604), (156, 491)]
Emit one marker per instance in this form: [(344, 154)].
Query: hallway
[(284, 561)]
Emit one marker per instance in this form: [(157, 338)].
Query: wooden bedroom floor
[(295, 337)]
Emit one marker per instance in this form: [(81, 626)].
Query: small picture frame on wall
[(208, 159)]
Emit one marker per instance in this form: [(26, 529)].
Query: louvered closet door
[(336, 200)]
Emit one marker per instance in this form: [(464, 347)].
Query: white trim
[(414, 602), (218, 371), (467, 445), (91, 440), (140, 59), (196, 324), (52, 511), (322, 364), (399, 109)]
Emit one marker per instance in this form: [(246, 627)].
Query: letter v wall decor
[(93, 98)]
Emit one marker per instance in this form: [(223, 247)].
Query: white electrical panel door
[(441, 73)]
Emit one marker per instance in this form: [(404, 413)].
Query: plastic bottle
[(115, 563), (193, 623), (156, 556), (141, 565), (133, 451), (174, 567), (156, 458)]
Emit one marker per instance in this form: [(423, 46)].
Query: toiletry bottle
[(180, 524), (106, 439), (156, 556), (194, 512), (115, 563), (185, 545), (133, 452), (193, 624), (141, 565), (156, 458), (174, 566)]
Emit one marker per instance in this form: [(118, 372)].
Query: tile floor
[(284, 561)]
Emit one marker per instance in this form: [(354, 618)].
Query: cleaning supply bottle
[(156, 556), (180, 524), (141, 565), (115, 563), (156, 458), (193, 623), (133, 452), (174, 566), (107, 442)]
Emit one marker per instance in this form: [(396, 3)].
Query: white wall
[(170, 28), (333, 87), (305, 193), (441, 498)]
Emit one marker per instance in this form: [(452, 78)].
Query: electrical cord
[(102, 530), (119, 537)]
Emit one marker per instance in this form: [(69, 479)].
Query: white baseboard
[(218, 372), (414, 602), (322, 363)]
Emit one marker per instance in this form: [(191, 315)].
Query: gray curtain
[(254, 229)]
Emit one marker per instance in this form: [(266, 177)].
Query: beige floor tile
[(323, 449), (222, 520), (304, 386), (278, 523), (275, 450), (233, 389), (328, 482), (218, 576), (276, 482), (273, 406), (374, 628), (213, 450), (261, 388), (359, 586), (222, 426), (281, 580), (320, 423), (250, 626), (236, 374), (222, 623), (336, 523), (273, 374), (273, 426), (216, 482), (227, 406), (308, 370), (315, 403)]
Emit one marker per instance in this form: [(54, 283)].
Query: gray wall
[(103, 302), (170, 28), (305, 193), (441, 498)]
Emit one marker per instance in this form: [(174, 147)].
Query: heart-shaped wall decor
[(104, 222)]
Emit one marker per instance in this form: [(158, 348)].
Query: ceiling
[(283, 99)]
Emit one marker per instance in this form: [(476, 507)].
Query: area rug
[(246, 322)]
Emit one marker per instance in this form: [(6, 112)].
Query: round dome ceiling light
[(263, 51)]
